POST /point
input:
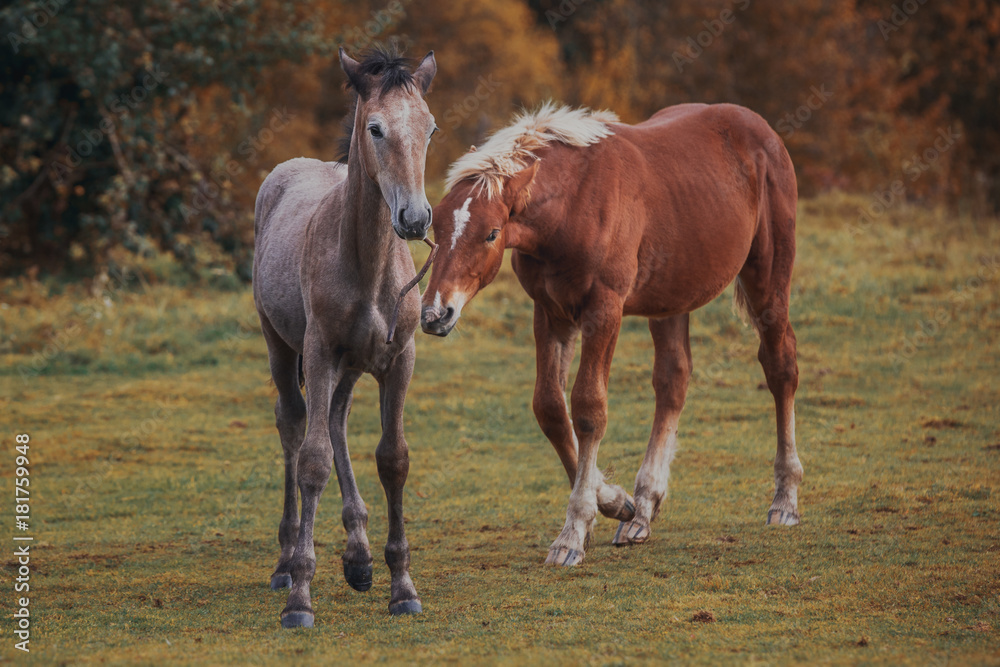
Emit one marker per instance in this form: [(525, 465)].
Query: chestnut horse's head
[(472, 227)]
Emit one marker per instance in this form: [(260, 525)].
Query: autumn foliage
[(129, 129)]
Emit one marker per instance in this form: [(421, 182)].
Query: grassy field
[(156, 476)]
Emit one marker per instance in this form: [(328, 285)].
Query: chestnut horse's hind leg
[(763, 287), (600, 326), (671, 372), (393, 460), (290, 418), (777, 356)]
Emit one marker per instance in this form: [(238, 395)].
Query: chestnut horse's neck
[(538, 229)]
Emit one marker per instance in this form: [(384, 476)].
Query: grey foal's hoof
[(280, 580), (406, 607), (358, 576), (782, 518), (297, 619)]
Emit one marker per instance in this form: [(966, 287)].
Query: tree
[(96, 103)]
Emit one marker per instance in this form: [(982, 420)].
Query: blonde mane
[(509, 150)]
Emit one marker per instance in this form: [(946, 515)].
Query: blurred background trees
[(137, 129)]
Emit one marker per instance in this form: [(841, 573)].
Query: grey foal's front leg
[(393, 459), (357, 557), (314, 466)]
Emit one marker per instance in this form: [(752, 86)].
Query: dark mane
[(392, 69)]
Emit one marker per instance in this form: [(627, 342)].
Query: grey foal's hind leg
[(393, 459), (671, 372), (290, 418)]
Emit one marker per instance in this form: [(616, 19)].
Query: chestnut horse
[(328, 268), (606, 220)]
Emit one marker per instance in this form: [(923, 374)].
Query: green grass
[(156, 479)]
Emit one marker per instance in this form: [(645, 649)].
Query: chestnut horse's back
[(717, 191)]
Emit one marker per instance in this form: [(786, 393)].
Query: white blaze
[(462, 216)]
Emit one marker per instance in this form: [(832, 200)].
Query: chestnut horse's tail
[(741, 305), (741, 300), (776, 198)]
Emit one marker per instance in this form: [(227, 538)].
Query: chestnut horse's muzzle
[(438, 321)]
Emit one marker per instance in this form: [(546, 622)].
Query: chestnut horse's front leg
[(555, 344), (599, 325)]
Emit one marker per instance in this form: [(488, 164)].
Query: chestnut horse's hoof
[(564, 557), (619, 506), (782, 518), (630, 532), (297, 619), (405, 607), (358, 576), (280, 580)]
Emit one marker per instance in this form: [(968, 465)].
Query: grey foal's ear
[(424, 74), (352, 68)]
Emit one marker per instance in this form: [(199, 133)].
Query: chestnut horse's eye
[(375, 131), (493, 236)]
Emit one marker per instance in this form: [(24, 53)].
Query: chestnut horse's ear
[(352, 68), (516, 191), (424, 74)]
